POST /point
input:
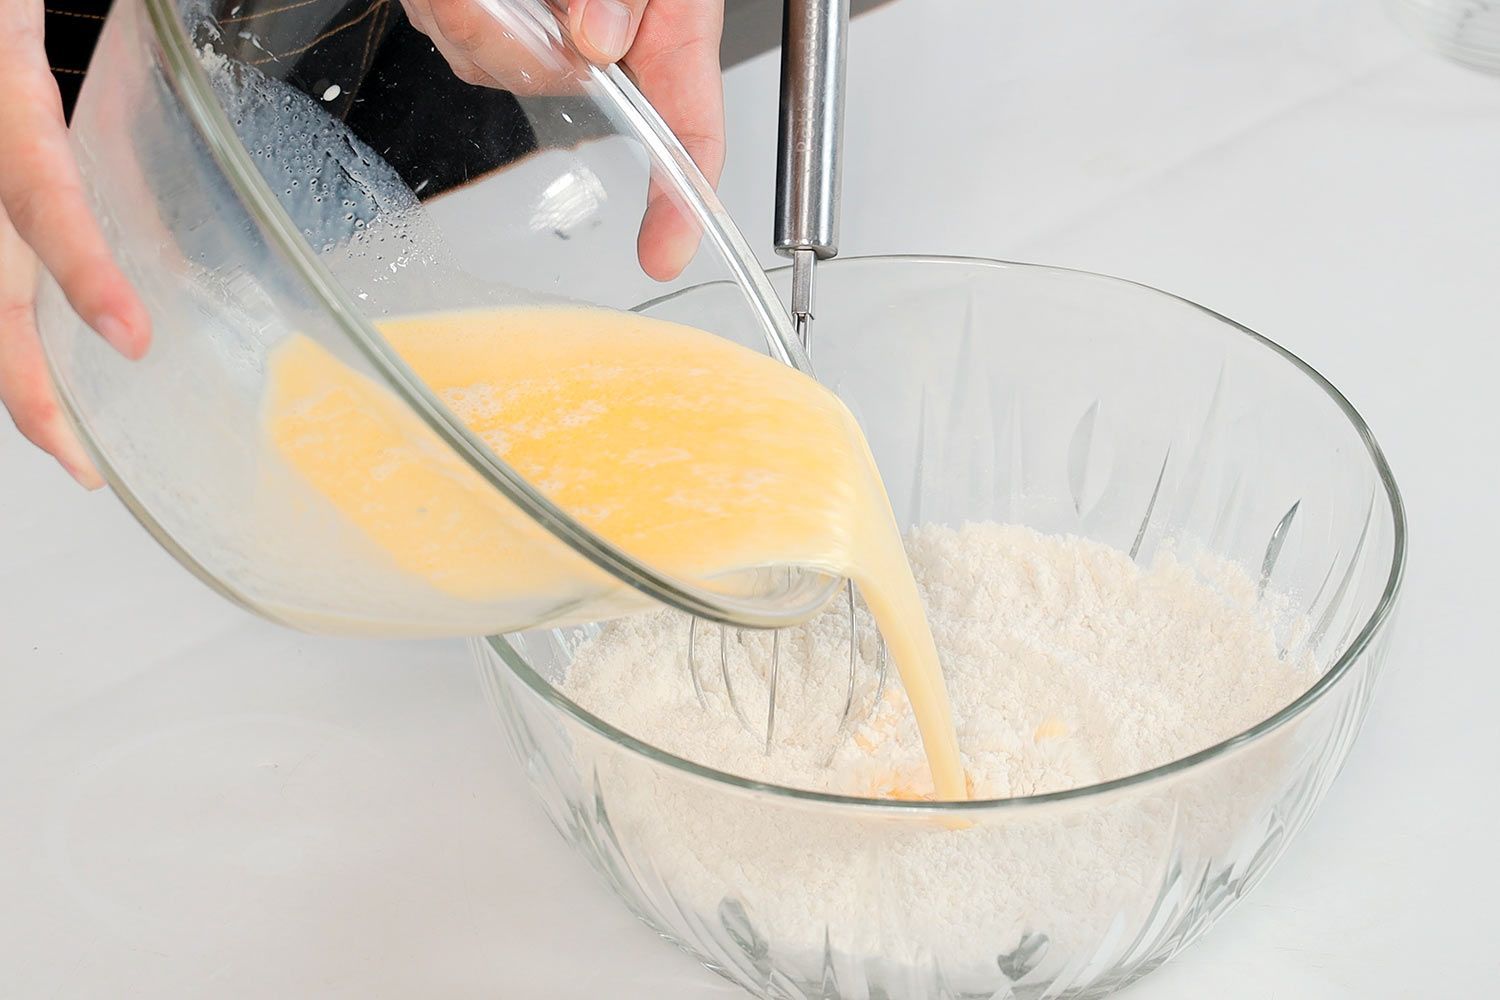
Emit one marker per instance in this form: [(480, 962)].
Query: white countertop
[(198, 804)]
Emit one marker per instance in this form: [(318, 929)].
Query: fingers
[(483, 47), (25, 385), (670, 47), (42, 193), (420, 13), (604, 30), (675, 62)]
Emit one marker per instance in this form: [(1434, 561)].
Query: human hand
[(45, 220), (669, 47)]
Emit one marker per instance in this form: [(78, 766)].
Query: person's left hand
[(46, 222), (669, 47)]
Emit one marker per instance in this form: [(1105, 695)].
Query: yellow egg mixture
[(687, 451)]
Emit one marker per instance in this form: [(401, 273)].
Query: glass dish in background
[(1067, 402), (1466, 31), (263, 170)]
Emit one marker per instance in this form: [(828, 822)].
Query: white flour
[(1067, 664)]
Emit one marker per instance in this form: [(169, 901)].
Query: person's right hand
[(669, 47), (45, 219)]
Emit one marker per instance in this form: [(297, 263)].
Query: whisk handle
[(809, 147)]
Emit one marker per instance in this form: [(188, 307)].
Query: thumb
[(604, 30)]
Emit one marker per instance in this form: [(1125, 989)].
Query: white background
[(193, 803)]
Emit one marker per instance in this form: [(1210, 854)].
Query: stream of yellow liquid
[(687, 451)]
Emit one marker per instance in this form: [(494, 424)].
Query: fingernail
[(118, 336), (606, 27), (71, 456), (88, 478), (684, 242), (685, 248)]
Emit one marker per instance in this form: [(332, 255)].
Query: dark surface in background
[(372, 42), (750, 28), (440, 133), (478, 128), (72, 28)]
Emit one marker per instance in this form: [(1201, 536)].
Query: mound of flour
[(1067, 664)]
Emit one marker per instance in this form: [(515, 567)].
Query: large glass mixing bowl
[(264, 169), (1068, 402)]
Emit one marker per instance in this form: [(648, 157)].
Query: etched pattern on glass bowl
[(1068, 402)]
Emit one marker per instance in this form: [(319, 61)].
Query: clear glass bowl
[(1068, 402), (264, 169)]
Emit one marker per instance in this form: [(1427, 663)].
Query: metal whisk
[(809, 152), (808, 190), (852, 713)]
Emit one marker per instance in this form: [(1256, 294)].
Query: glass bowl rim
[(190, 83), (1373, 624)]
